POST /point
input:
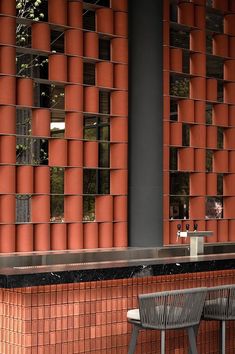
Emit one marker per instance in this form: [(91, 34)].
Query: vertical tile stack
[(198, 39), (26, 184)]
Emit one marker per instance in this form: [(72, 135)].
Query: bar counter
[(76, 302)]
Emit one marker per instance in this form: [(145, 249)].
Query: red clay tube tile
[(7, 179), (57, 152), (42, 237), (74, 125), (120, 24), (91, 99), (75, 153), (90, 231), (7, 90), (229, 24), (73, 181), (197, 41), (186, 159), (75, 70), (120, 76), (24, 238), (104, 74), (176, 59), (8, 149), (186, 13), (41, 119), (42, 180), (186, 110), (231, 230), (91, 45), (104, 20), (8, 36), (7, 209), (197, 184), (220, 45), (118, 182), (104, 208), (41, 36), (24, 93), (231, 161), (119, 103), (91, 154), (198, 136), (211, 89), (40, 206), (57, 12), (105, 235), (211, 184), (73, 208), (197, 208), (229, 142), (73, 98), (231, 47), (198, 64), (229, 92), (200, 16), (119, 50), (211, 137), (211, 225), (57, 69), (8, 7), (74, 42), (24, 179), (220, 114), (118, 155), (120, 237), (58, 237), (220, 161), (75, 14), (228, 204), (8, 58), (220, 5), (176, 134), (120, 208), (7, 238), (229, 70), (119, 5), (75, 236), (199, 160), (198, 88), (229, 186), (8, 119), (119, 129)]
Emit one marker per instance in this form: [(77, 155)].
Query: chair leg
[(222, 337), (195, 328), (163, 338), (192, 340), (133, 341)]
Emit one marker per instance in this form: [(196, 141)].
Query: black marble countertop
[(26, 270)]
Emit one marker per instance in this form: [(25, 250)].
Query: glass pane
[(214, 67), (220, 92), (173, 12), (179, 183), (220, 138), (104, 102), (90, 128), (57, 41), (57, 180), (185, 135), (215, 22), (104, 49), (186, 57), (209, 158), (209, 113), (89, 208), (89, 181), (220, 184), (57, 208), (179, 207), (49, 96), (103, 155), (209, 43), (103, 181), (179, 86), (57, 125), (23, 208), (173, 110), (214, 207), (89, 20), (104, 133), (31, 65), (173, 159), (33, 10), (105, 3), (179, 38), (89, 73), (23, 121)]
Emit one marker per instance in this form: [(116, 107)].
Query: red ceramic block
[(220, 114), (75, 153), (121, 76), (166, 57), (73, 208), (41, 36), (198, 64), (229, 210), (166, 157), (75, 14), (91, 45), (91, 99), (120, 235), (57, 67), (220, 45), (119, 50), (24, 181), (231, 161), (24, 238), (211, 225), (74, 125), (42, 180), (118, 129), (24, 92), (199, 160), (198, 136), (42, 237), (58, 237), (211, 184), (118, 155), (41, 119), (197, 41), (57, 152), (7, 63), (75, 70), (118, 182), (211, 90), (176, 59), (229, 70), (186, 13), (104, 74), (220, 161), (120, 24), (231, 47), (8, 149), (229, 92), (74, 42), (104, 208), (91, 154), (166, 11), (40, 205), (119, 5), (166, 233), (211, 137), (8, 36), (197, 208), (73, 181), (176, 134), (229, 185), (229, 24), (75, 236), (166, 207), (119, 103), (200, 111), (7, 239), (229, 139), (90, 232), (7, 179), (104, 20), (166, 33), (7, 209), (197, 184), (231, 230), (57, 12), (221, 5), (8, 7), (186, 159), (105, 235), (166, 108), (8, 120), (200, 17), (186, 110), (73, 98), (231, 115), (198, 88), (120, 208), (7, 90)]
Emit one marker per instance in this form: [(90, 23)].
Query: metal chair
[(168, 310), (220, 306)]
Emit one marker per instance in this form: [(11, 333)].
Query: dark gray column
[(145, 123)]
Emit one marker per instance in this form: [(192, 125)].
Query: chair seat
[(218, 309), (134, 314)]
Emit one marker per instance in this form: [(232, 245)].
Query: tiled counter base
[(90, 317)]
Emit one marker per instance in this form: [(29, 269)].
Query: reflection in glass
[(173, 110), (103, 155), (57, 208), (215, 22), (209, 113), (23, 121), (89, 20), (103, 181), (31, 151), (89, 73), (179, 183), (214, 67), (89, 181), (57, 180), (185, 135), (33, 10), (179, 38), (209, 160), (214, 207), (23, 36), (220, 138), (173, 159), (49, 96), (57, 125), (219, 184), (179, 207), (23, 208), (88, 208), (90, 128), (57, 41), (104, 102), (209, 43), (179, 86), (29, 65), (104, 49)]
